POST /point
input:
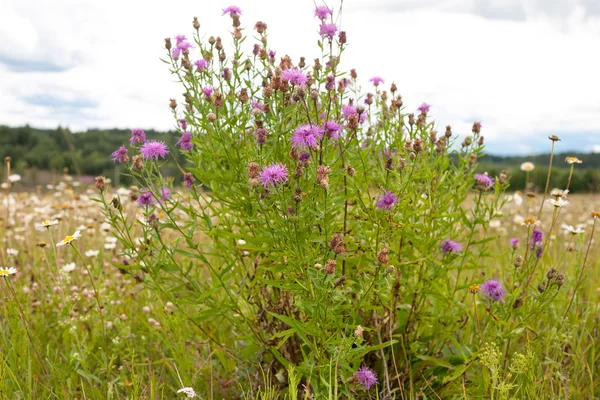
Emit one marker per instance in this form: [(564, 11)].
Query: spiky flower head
[(120, 155), (376, 80), (366, 377), (273, 174), (154, 149), (232, 11), (138, 136), (494, 290), (450, 246), (323, 12), (387, 201), (295, 76)]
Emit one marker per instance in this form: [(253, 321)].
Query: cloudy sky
[(525, 68)]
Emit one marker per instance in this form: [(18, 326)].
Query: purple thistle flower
[(304, 157), (201, 64), (180, 39), (185, 141), (330, 84), (146, 199), (120, 155), (232, 11), (207, 91), (349, 110), (273, 174), (376, 80), (165, 193), (184, 47), (154, 149), (257, 105), (537, 237), (539, 252), (514, 242), (272, 55), (328, 30), (387, 201), (332, 129), (176, 52), (484, 180), (188, 178), (322, 12), (183, 123), (306, 136), (366, 377), (450, 246), (494, 290), (424, 108), (138, 136), (295, 76)]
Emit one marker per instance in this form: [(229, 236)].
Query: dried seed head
[(353, 74), (448, 131), (196, 23), (253, 170), (518, 261), (100, 183), (554, 138), (212, 40), (138, 162), (211, 117), (350, 171), (382, 256), (298, 194), (330, 266), (168, 43), (173, 103), (339, 281), (260, 27)]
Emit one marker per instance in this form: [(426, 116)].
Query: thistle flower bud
[(218, 99), (253, 182), (211, 117), (222, 56), (472, 158), (330, 266), (350, 171), (173, 103), (476, 127), (116, 203), (518, 262), (237, 33), (353, 122), (253, 170), (402, 164), (298, 194), (337, 244), (518, 303), (412, 155), (560, 279), (480, 141), (323, 176), (243, 96), (552, 274), (390, 269), (212, 40), (318, 266), (195, 23), (302, 62), (393, 88), (134, 193), (418, 145), (448, 131), (382, 256), (353, 74), (314, 95), (411, 119), (168, 43), (260, 27), (236, 20), (138, 163), (219, 43), (342, 37), (100, 183)]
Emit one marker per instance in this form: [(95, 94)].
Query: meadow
[(317, 242)]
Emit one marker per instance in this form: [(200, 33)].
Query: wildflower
[(146, 199), (358, 332), (201, 65), (207, 91), (69, 239), (366, 377), (527, 166), (537, 238), (332, 129), (154, 149), (12, 252), (304, 157), (185, 141), (4, 272), (232, 11), (120, 155), (323, 176), (180, 39), (92, 253), (165, 193), (306, 136), (138, 136), (387, 201), (494, 290), (48, 224), (595, 214), (474, 289), (188, 391), (514, 243), (323, 12), (295, 76), (273, 174), (100, 183), (349, 110), (328, 30), (558, 202), (530, 221), (484, 181), (424, 108), (572, 230), (70, 267), (450, 246), (554, 138), (14, 178), (376, 80), (188, 178), (495, 223)]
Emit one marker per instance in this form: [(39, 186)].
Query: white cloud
[(471, 60)]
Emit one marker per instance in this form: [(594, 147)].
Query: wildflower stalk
[(547, 179), (587, 253), (7, 159), (544, 246)]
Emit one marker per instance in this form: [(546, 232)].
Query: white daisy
[(188, 391), (7, 271), (92, 253), (558, 202), (527, 166), (69, 239), (69, 267), (48, 223), (572, 230), (12, 252)]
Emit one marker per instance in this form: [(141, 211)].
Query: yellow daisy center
[(3, 272), (68, 239)]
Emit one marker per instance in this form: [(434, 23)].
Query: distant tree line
[(34, 151)]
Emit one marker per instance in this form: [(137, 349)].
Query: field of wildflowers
[(326, 243)]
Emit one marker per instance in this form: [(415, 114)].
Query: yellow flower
[(474, 289)]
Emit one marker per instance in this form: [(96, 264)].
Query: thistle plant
[(321, 229)]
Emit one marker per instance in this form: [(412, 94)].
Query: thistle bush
[(326, 237)]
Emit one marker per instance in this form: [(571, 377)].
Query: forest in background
[(40, 155)]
